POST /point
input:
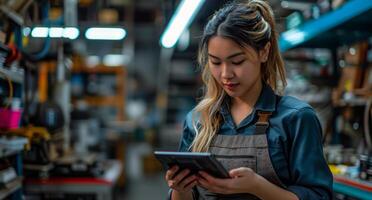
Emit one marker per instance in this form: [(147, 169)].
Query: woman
[(270, 144)]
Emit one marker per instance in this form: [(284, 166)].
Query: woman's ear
[(264, 53)]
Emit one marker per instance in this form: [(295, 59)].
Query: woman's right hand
[(181, 181)]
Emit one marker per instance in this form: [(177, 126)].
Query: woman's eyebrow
[(228, 57)]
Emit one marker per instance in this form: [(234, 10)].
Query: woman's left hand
[(243, 180)]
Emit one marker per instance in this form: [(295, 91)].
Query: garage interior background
[(88, 90)]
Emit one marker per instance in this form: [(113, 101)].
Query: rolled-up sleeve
[(309, 173)]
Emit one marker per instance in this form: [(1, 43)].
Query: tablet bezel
[(195, 160)]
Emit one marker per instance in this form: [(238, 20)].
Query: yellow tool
[(33, 133)]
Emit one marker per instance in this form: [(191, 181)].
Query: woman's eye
[(216, 63), (238, 62)]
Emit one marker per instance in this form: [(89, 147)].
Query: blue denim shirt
[(294, 139)]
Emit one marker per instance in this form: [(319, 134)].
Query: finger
[(191, 185), (203, 182), (187, 181), (241, 171), (211, 179), (171, 184), (210, 187), (175, 183), (205, 175), (171, 172), (181, 175)]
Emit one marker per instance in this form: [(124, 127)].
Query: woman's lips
[(230, 86)]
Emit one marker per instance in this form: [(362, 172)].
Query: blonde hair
[(250, 23)]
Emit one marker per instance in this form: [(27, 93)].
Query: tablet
[(193, 161)]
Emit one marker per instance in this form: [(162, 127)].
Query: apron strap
[(263, 122)]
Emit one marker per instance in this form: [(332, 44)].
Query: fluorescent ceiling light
[(294, 36), (53, 32), (39, 32), (105, 33), (183, 16), (71, 33)]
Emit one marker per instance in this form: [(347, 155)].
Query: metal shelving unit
[(13, 186), (116, 100), (346, 25), (12, 150), (349, 23), (15, 76), (6, 153)]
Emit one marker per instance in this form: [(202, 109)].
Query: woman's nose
[(226, 71)]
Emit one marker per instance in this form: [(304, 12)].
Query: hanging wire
[(46, 22)]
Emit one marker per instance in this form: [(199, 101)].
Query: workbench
[(99, 187)]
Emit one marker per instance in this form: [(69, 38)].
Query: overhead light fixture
[(294, 36), (40, 32), (71, 33), (95, 33), (183, 16), (53, 32), (296, 5)]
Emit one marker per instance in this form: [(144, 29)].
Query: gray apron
[(235, 151)]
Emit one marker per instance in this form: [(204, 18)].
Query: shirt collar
[(267, 99)]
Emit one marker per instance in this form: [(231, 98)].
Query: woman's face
[(236, 69)]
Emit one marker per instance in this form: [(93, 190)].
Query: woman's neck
[(250, 99), (242, 107)]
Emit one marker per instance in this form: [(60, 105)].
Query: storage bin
[(10, 119)]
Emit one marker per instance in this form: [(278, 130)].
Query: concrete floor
[(148, 187)]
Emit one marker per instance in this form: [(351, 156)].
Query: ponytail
[(273, 69)]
